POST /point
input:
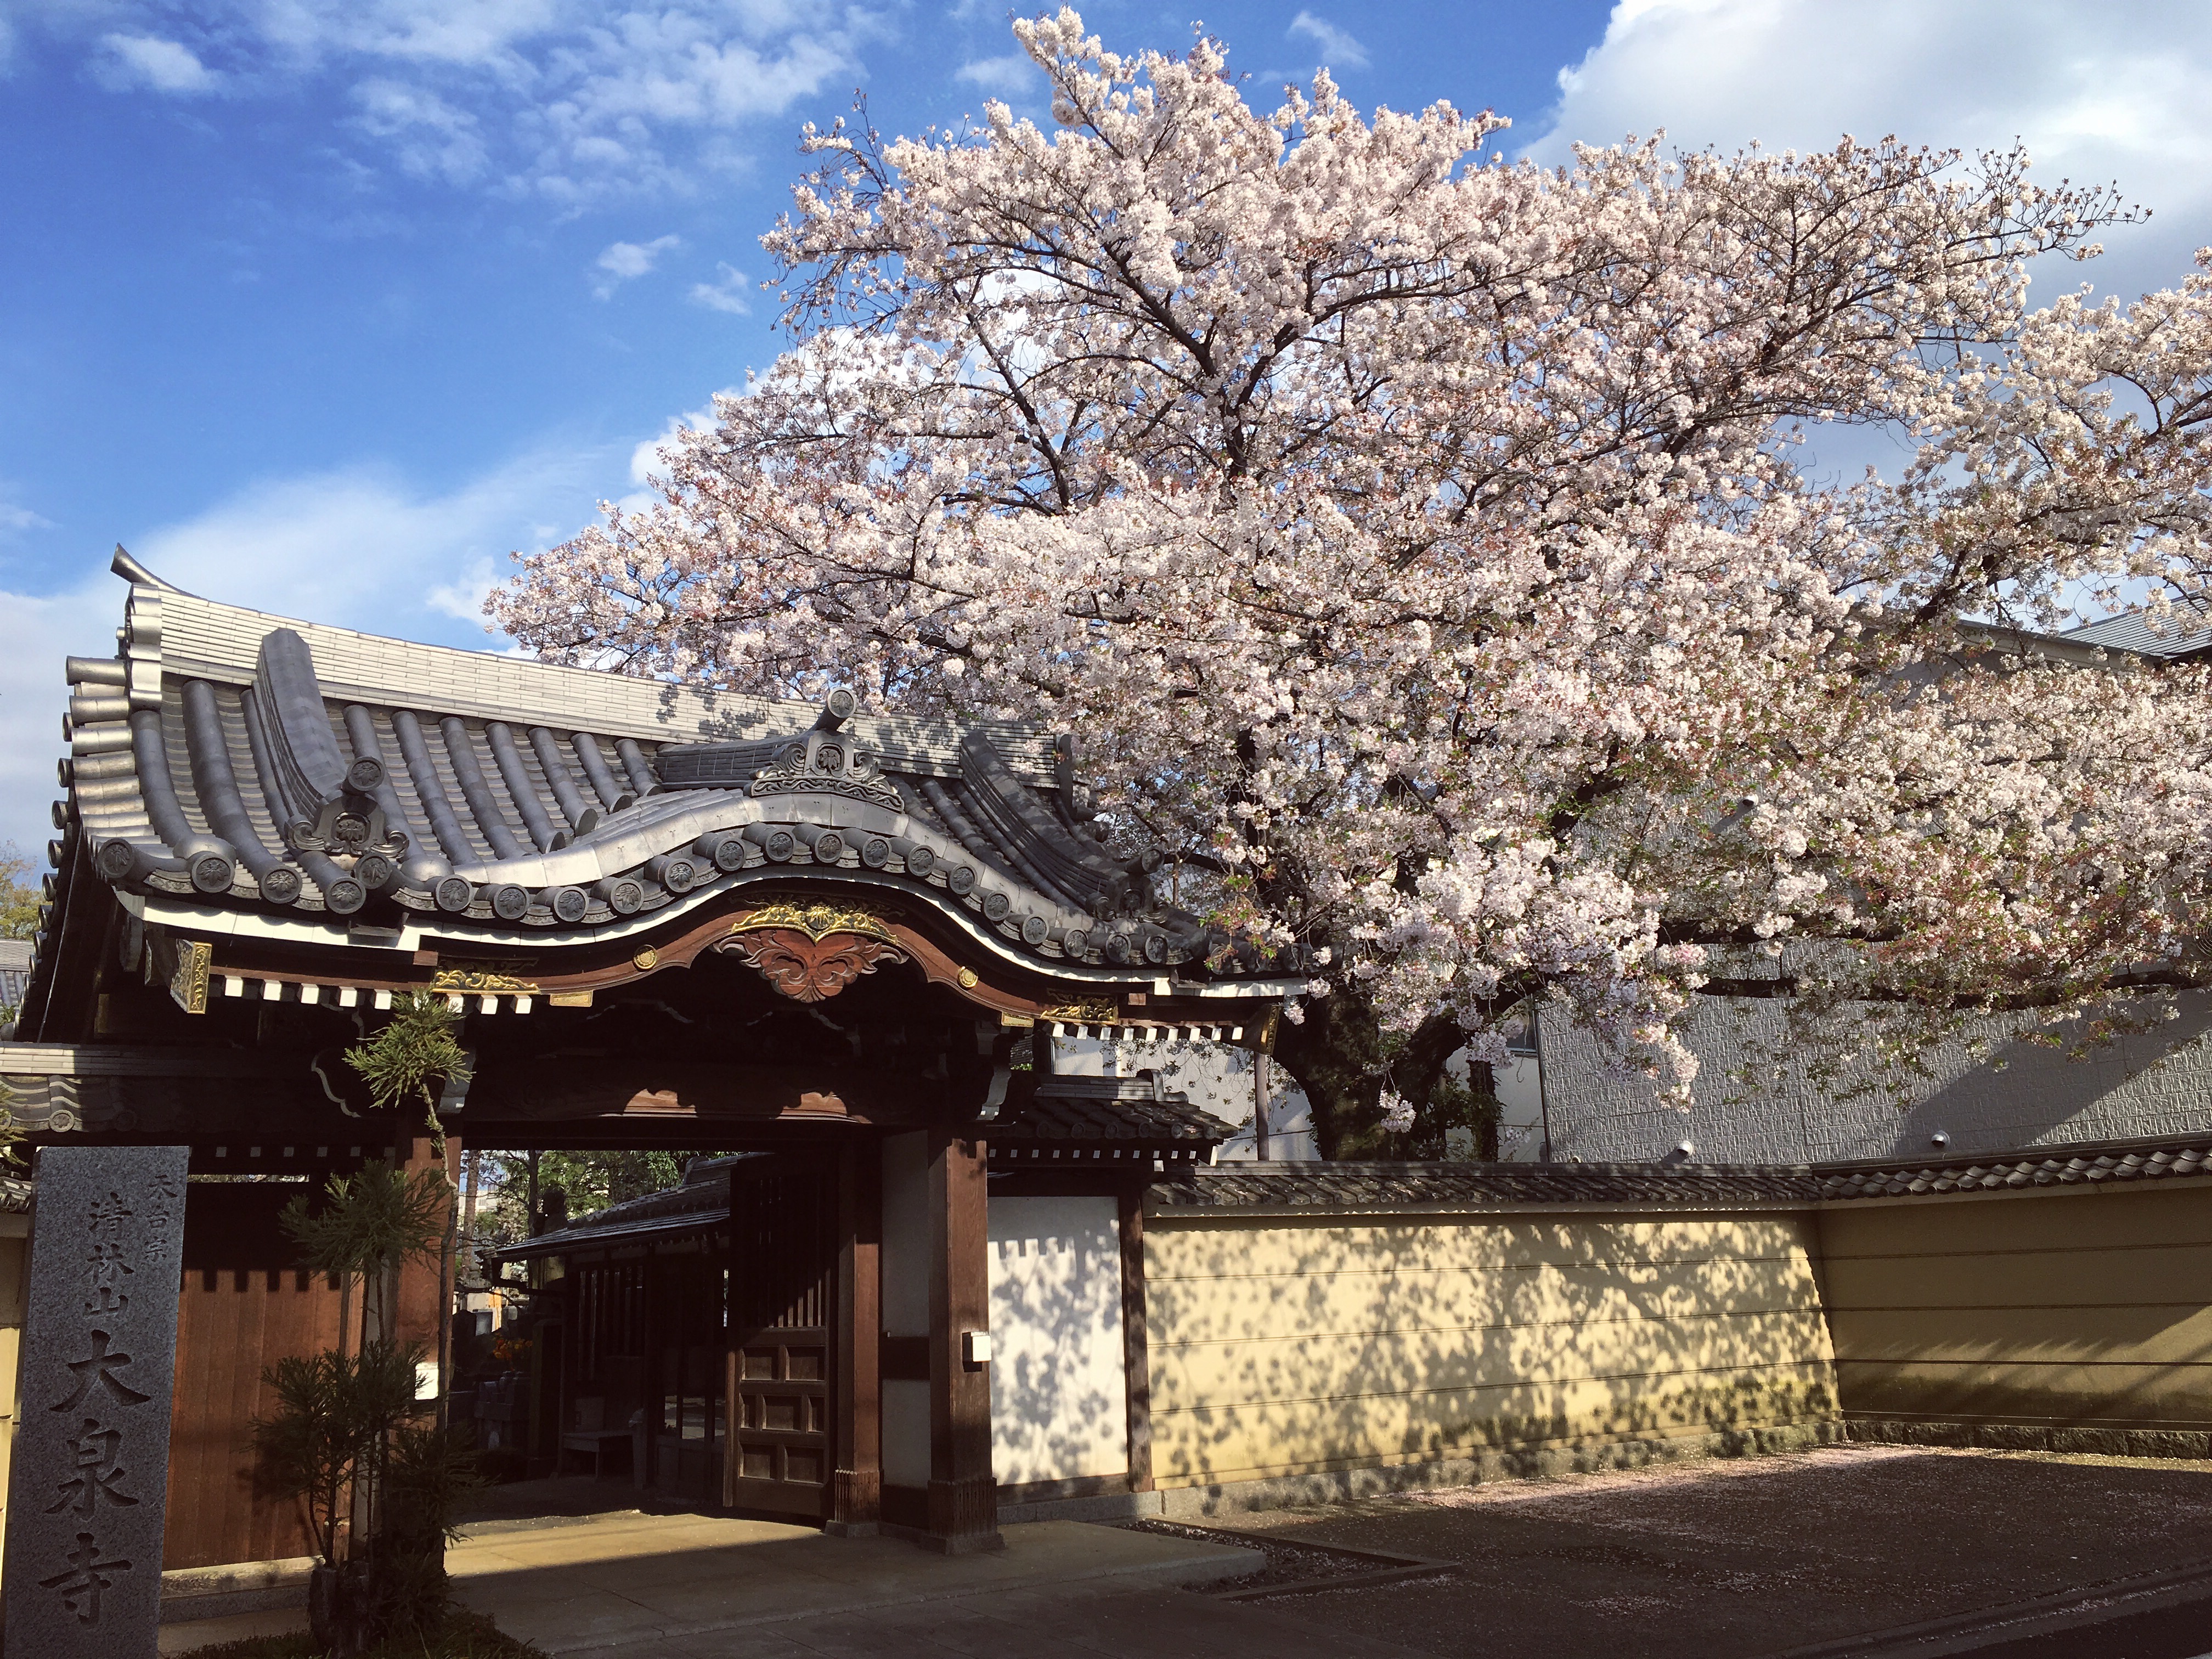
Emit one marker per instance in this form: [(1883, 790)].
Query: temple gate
[(670, 918)]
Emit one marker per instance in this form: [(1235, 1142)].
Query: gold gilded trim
[(481, 979), (188, 985), (969, 979), (1095, 1010), (816, 922)]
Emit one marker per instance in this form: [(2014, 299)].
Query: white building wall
[(2018, 1096), (1520, 1088), (1059, 1398), (1217, 1077)]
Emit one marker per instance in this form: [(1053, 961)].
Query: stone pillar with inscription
[(90, 1474)]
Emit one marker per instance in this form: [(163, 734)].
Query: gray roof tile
[(231, 757), (1384, 1187)]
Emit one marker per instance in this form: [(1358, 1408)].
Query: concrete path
[(683, 1584), (628, 1585), (1082, 1621)]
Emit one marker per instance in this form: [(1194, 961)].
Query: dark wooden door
[(244, 1305), (783, 1297)]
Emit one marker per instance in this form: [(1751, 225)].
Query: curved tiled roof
[(1495, 1186), (2086, 1165), (1330, 1187), (229, 758)]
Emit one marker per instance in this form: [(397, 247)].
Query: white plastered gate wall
[(1059, 1398)]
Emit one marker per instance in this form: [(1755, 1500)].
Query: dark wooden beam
[(652, 1089), (964, 1499), (1136, 1358), (857, 1502)]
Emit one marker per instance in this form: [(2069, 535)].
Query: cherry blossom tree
[(1422, 545)]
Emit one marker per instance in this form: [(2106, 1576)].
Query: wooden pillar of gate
[(964, 1497), (856, 1501)]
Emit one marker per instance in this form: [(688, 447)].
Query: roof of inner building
[(1145, 1125), (2144, 635), (700, 1201), (318, 780)]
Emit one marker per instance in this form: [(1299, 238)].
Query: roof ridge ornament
[(824, 762), (137, 576)]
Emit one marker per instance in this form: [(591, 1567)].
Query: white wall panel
[(1059, 1401)]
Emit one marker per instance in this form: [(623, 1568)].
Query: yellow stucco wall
[(2068, 1307), (15, 1262), (1293, 1346)]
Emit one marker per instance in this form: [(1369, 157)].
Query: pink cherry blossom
[(1419, 543)]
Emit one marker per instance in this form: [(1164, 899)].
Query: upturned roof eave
[(216, 757)]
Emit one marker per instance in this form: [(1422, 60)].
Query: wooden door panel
[(243, 1304), (782, 1291)]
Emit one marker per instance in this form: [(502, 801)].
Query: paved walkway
[(628, 1585), (695, 1586)]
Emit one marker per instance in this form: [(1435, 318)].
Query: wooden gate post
[(857, 1504), (964, 1497)]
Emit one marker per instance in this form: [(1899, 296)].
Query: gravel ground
[(1742, 1559)]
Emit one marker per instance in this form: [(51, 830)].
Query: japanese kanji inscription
[(85, 1493)]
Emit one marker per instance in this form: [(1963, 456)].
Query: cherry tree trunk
[(1340, 1056)]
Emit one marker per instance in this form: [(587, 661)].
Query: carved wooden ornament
[(809, 969)]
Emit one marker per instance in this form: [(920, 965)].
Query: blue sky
[(327, 306)]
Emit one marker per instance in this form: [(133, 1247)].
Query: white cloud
[(362, 548), (464, 598), (431, 139), (2103, 93), (1013, 75), (622, 261), (726, 295), (35, 634), (359, 547), (133, 61), (644, 461), (571, 101), (15, 519), (1337, 45)]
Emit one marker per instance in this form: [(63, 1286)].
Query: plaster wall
[(2019, 1096), (2074, 1308), (1295, 1347), (1059, 1406)]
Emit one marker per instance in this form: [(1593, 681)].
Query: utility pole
[(468, 1271), (1543, 1086)]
